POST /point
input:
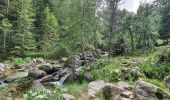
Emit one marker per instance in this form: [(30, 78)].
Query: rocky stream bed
[(50, 73)]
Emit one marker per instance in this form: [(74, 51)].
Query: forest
[(84, 50)]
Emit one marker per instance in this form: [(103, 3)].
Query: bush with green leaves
[(164, 55), (154, 70), (157, 83), (20, 61), (104, 69), (58, 52), (35, 54)]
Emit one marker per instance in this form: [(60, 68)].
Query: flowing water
[(13, 77)]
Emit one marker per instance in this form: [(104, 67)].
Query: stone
[(88, 77), (62, 60), (48, 68), (124, 86), (38, 61), (125, 99), (147, 91), (68, 97), (36, 85), (25, 67), (117, 91), (4, 70), (167, 79), (94, 87), (48, 78), (111, 92), (127, 94), (104, 54), (36, 73), (66, 79)]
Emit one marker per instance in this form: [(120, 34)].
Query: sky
[(131, 5)]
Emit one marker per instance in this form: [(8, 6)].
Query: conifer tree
[(50, 29), (24, 32)]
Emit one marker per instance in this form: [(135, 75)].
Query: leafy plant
[(58, 52), (20, 61), (158, 83)]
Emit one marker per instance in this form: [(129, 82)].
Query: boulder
[(68, 97), (25, 67), (119, 91), (36, 73), (94, 87), (124, 86), (49, 78), (61, 72), (66, 79), (103, 54), (38, 61), (147, 91), (48, 68), (167, 81), (4, 70), (79, 63), (111, 92), (62, 60), (36, 85), (88, 77)]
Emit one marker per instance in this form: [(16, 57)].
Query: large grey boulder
[(48, 68), (95, 87), (36, 73), (147, 91), (119, 91), (111, 92)]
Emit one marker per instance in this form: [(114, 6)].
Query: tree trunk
[(7, 7), (5, 32), (132, 38), (111, 32)]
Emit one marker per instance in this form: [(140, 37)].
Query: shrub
[(156, 83), (56, 92), (35, 54), (104, 70), (58, 52), (153, 70), (164, 55), (20, 61)]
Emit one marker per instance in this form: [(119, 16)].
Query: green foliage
[(20, 61), (24, 35), (164, 55), (49, 27), (156, 83), (104, 70), (165, 20), (24, 84), (58, 52), (154, 70), (35, 54), (141, 52), (56, 92)]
